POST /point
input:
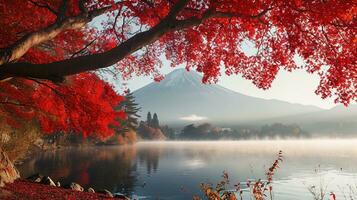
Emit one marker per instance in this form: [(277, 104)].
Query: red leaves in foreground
[(22, 189), (83, 104)]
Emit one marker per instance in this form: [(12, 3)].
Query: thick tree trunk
[(18, 49), (8, 172), (57, 70)]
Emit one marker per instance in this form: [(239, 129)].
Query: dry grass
[(258, 189)]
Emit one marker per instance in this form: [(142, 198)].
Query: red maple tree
[(45, 41)]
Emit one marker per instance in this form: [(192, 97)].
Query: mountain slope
[(338, 121), (181, 95), (335, 114)]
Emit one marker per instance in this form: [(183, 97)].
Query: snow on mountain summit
[(181, 77), (182, 93)]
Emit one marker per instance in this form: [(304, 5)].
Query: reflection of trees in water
[(116, 171), (150, 156), (110, 168)]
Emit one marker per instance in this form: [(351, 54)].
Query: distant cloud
[(193, 117)]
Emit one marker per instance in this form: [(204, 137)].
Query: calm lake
[(174, 170)]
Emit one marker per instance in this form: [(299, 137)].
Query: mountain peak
[(181, 77), (182, 94), (183, 72)]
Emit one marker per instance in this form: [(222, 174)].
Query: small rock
[(47, 181), (36, 178), (58, 184), (76, 187), (90, 190), (106, 192)]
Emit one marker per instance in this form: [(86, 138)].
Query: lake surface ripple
[(174, 170)]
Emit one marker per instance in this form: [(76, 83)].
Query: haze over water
[(174, 170)]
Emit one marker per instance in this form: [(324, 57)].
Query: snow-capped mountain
[(181, 97)]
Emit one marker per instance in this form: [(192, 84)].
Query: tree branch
[(18, 49), (176, 8), (193, 21), (84, 48), (46, 85), (44, 6), (15, 104), (57, 70), (62, 11)]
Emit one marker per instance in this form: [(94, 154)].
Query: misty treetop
[(207, 131), (131, 108)]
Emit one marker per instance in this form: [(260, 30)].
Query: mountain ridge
[(182, 94)]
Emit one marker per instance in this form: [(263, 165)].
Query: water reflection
[(173, 170), (150, 158), (112, 168)]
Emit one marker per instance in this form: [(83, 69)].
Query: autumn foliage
[(44, 42), (83, 103)]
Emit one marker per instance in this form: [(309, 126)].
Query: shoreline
[(24, 189)]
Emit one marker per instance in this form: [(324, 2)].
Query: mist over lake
[(174, 170), (181, 139)]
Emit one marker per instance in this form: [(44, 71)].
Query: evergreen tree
[(155, 121), (131, 109), (148, 119)]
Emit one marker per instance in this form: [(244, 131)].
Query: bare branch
[(44, 5), (46, 85), (115, 22), (84, 48)]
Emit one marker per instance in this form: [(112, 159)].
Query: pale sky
[(294, 87)]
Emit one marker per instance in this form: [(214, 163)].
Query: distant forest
[(207, 131)]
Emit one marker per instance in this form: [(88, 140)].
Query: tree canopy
[(131, 109), (155, 121), (43, 42)]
